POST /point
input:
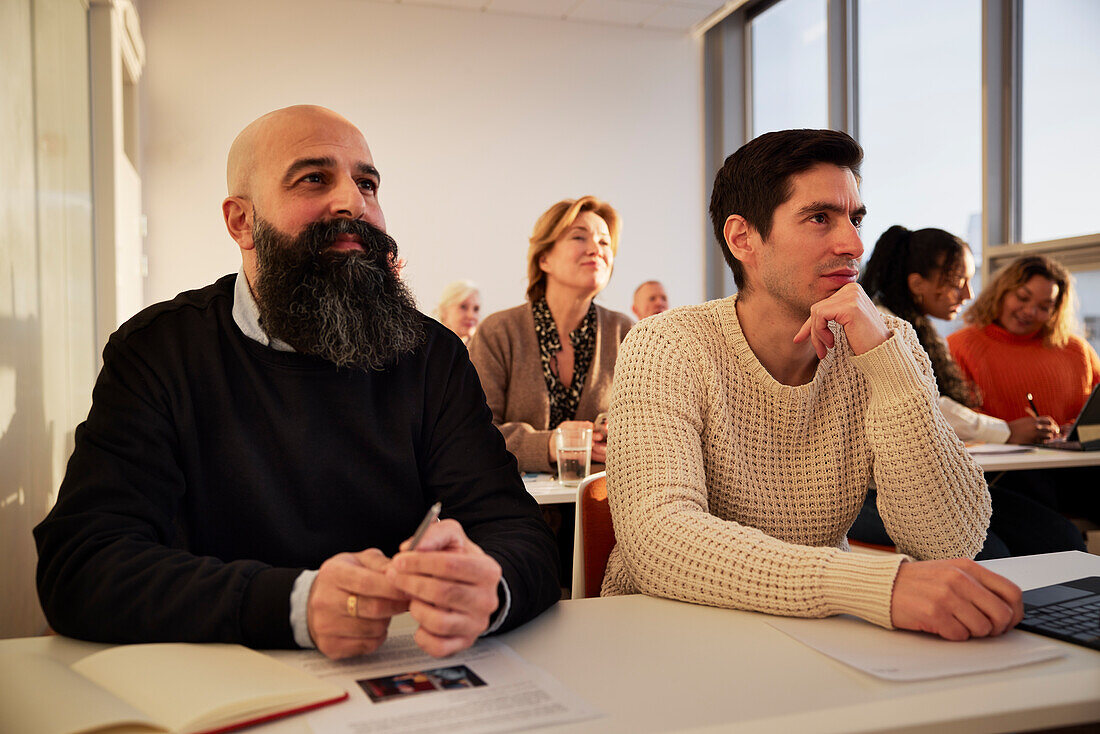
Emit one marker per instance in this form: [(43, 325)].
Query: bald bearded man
[(259, 451)]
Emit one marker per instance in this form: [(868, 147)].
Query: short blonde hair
[(987, 306), (549, 228), (455, 292)]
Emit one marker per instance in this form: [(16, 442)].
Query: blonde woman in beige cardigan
[(551, 360)]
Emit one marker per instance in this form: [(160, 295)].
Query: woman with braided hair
[(924, 274)]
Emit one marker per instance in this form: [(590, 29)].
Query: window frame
[(727, 54)]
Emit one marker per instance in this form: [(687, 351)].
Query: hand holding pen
[(451, 584), (442, 576), (1033, 429), (431, 516), (1031, 404)]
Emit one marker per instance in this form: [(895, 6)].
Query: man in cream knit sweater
[(746, 431)]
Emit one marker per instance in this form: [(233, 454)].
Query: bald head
[(649, 299), (267, 133), (296, 167)]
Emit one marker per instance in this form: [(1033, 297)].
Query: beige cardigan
[(730, 489), (505, 351)]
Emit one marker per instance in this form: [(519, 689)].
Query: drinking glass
[(574, 444)]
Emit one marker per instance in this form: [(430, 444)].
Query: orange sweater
[(1007, 367)]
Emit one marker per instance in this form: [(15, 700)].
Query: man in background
[(259, 451), (649, 299)]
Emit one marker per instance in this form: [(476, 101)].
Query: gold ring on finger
[(353, 605)]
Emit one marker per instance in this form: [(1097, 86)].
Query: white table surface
[(1035, 458), (546, 490), (654, 665)]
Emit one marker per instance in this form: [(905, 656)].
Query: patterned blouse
[(564, 400)]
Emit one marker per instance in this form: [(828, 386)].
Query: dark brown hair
[(932, 254), (756, 179)]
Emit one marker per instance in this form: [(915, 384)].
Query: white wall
[(478, 122), (47, 329)]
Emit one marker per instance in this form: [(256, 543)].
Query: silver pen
[(429, 518)]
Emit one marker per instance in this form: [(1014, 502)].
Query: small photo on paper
[(456, 676), (400, 685)]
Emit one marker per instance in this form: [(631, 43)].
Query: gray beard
[(348, 308)]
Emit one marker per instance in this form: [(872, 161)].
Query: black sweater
[(212, 470)]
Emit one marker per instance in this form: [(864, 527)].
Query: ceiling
[(673, 15)]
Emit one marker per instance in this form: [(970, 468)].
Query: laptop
[(1069, 611), (1085, 434)]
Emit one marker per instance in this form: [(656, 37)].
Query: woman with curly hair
[(924, 274), (1020, 340)]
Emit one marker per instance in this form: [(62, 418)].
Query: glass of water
[(574, 444)]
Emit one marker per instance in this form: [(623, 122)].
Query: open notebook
[(172, 687)]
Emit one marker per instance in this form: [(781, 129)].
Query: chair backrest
[(594, 536)]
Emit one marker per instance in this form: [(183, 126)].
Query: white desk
[(1036, 458), (654, 665), (546, 490)]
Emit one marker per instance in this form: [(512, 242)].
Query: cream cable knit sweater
[(730, 489)]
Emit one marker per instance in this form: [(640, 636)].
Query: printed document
[(399, 688)]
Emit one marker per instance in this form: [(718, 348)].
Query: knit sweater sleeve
[(668, 542), (495, 351), (931, 494)]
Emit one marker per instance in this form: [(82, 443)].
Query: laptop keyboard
[(1073, 621)]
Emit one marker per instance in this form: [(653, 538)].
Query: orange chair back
[(598, 532)]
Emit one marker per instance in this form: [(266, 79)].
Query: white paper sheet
[(541, 483), (996, 449), (401, 689), (905, 656)]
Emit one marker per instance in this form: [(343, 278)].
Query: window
[(1087, 287), (920, 116), (789, 71), (1060, 109), (977, 116)]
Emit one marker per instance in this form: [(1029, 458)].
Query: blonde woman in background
[(460, 308), (551, 360)]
